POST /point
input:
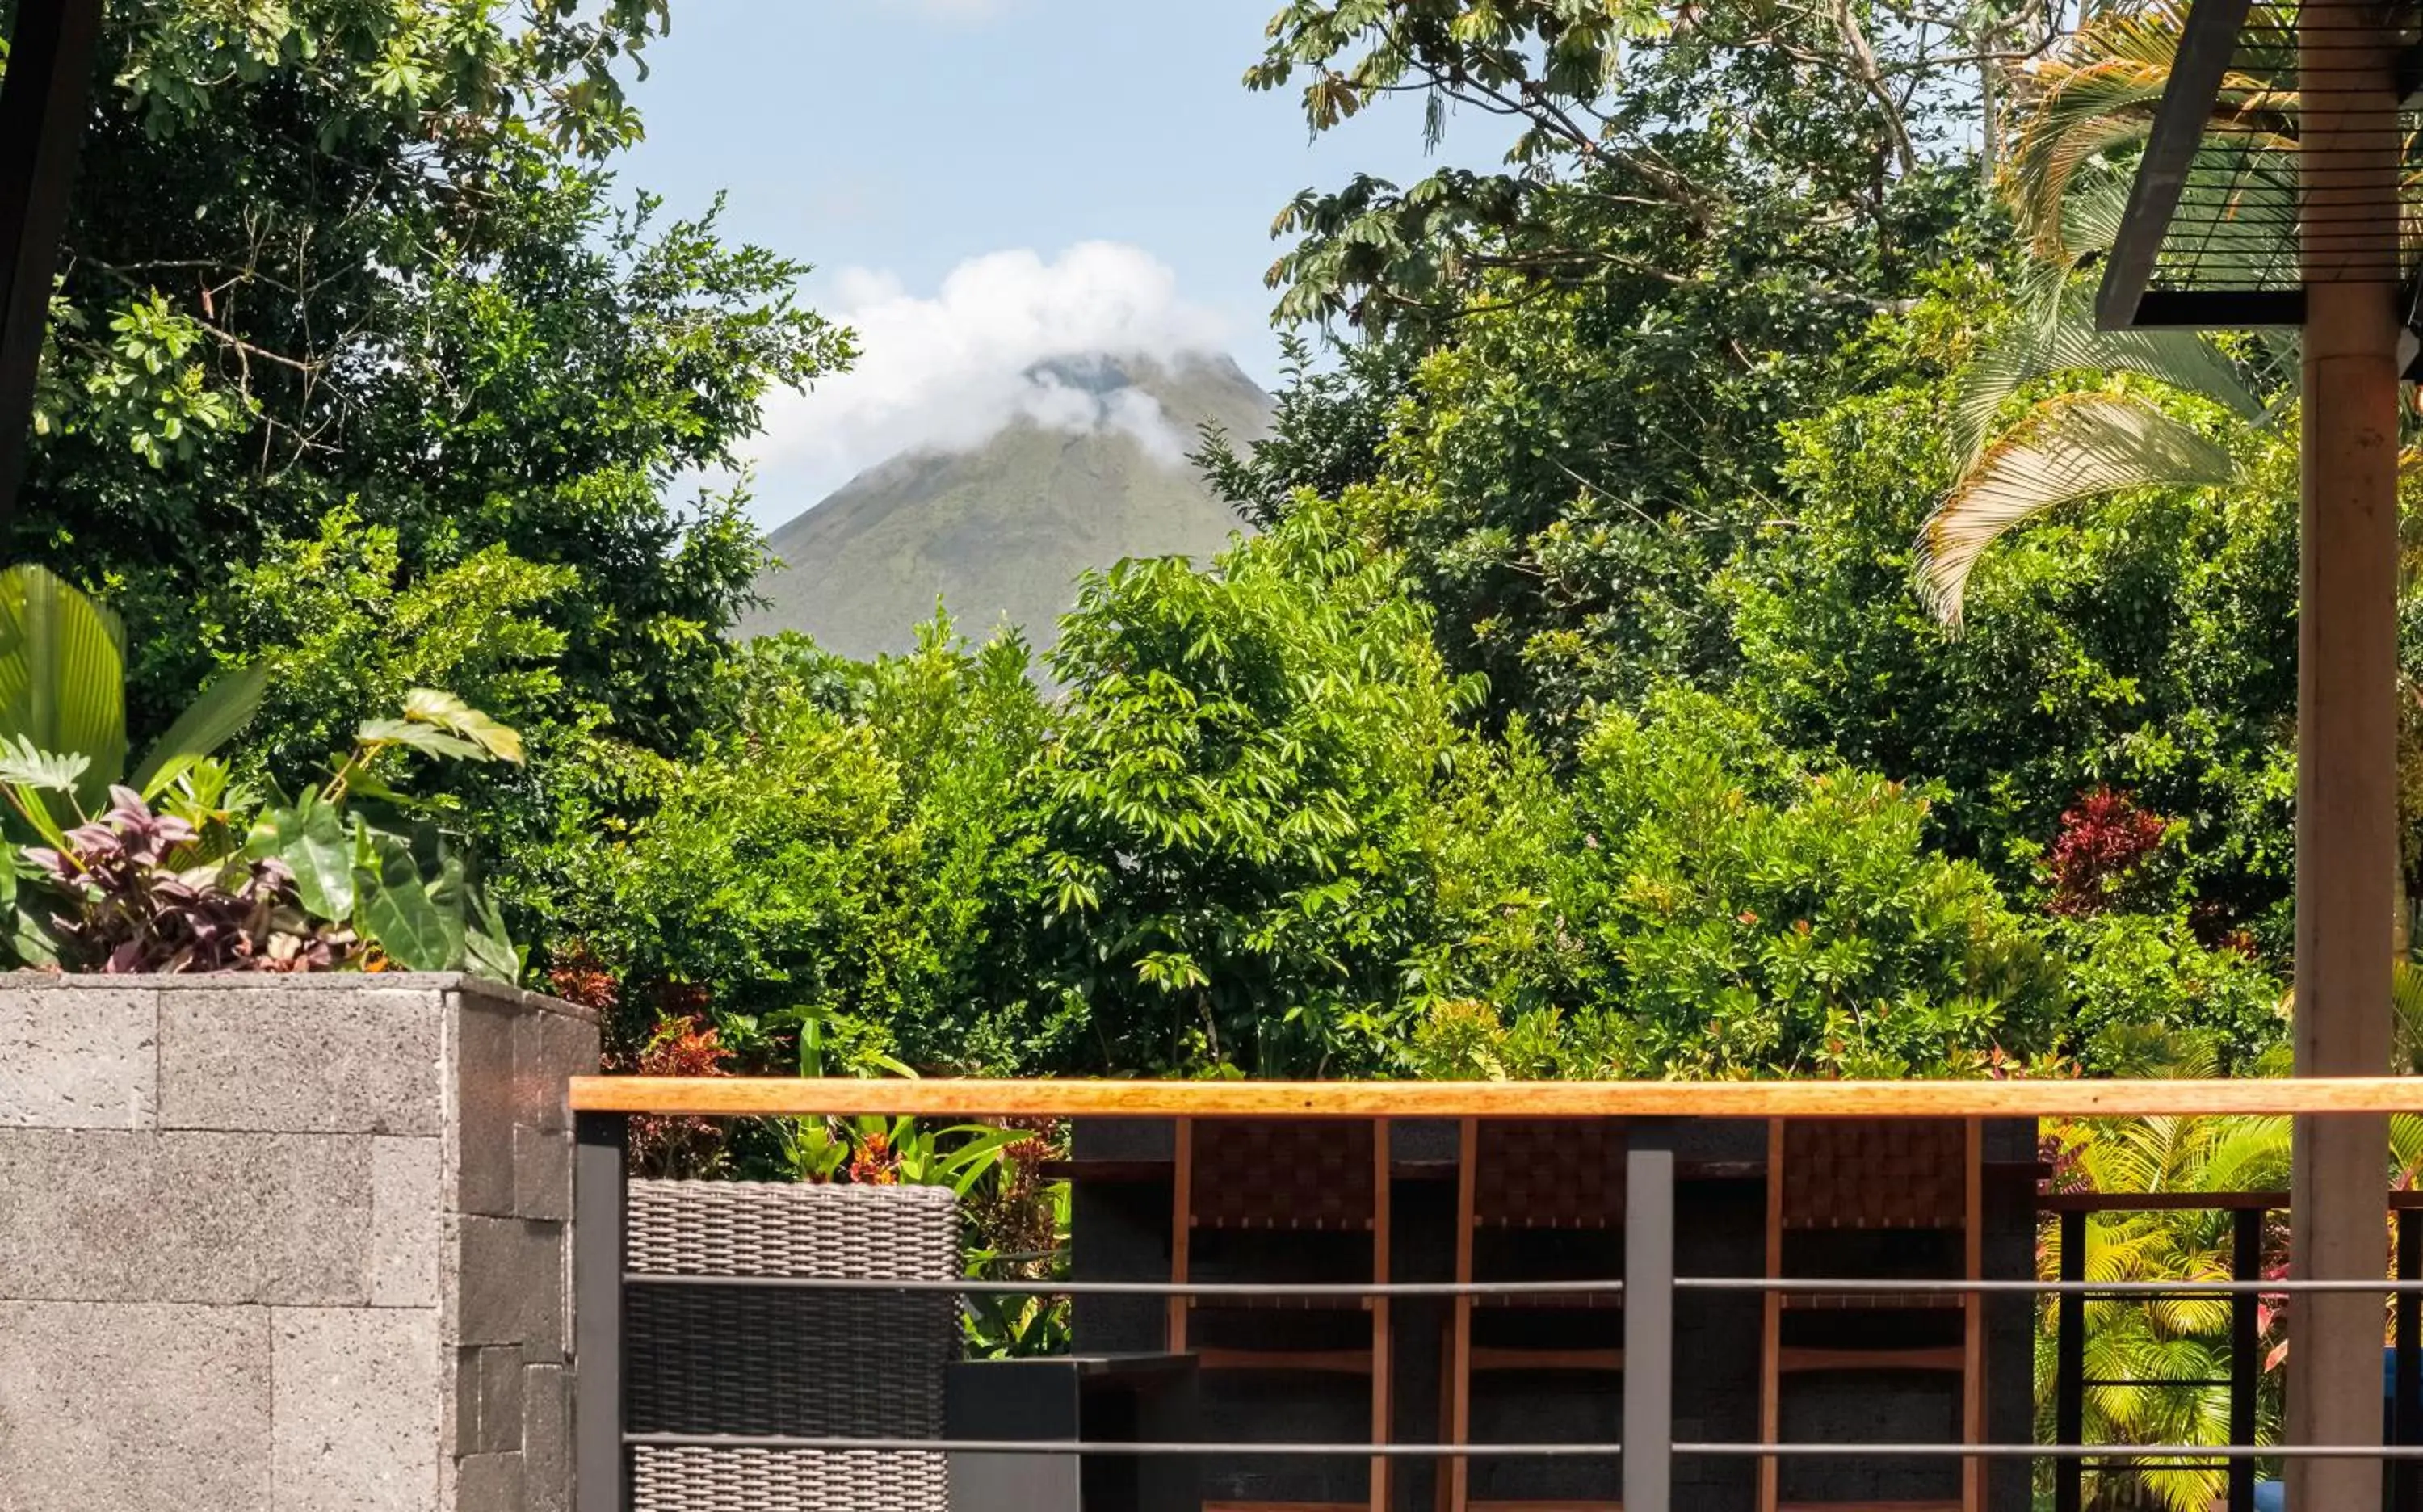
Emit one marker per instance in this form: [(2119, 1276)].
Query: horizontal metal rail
[(2283, 1287), (1845, 1286), (1121, 1447), (1719, 1448), (971, 1287)]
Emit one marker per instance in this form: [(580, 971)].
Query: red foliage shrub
[(687, 1046), (578, 977), (2100, 854)]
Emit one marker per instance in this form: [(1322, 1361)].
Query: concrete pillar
[(285, 1243), (2347, 732)]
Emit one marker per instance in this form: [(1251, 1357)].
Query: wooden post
[(1384, 1365), (42, 109), (2347, 728)]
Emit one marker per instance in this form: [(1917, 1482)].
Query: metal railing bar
[(2202, 1454), (2042, 1288), (967, 1286), (1146, 1448), (2061, 1451)]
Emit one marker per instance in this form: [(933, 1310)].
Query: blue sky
[(978, 181)]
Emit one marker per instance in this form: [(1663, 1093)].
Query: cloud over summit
[(1005, 335)]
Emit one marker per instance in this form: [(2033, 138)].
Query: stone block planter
[(285, 1243)]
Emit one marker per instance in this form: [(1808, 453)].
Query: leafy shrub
[(140, 910), (2102, 858), (1749, 911), (218, 880)]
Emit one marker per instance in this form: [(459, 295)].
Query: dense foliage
[(1718, 608)]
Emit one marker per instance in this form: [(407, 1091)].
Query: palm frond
[(2064, 340), (2069, 447)]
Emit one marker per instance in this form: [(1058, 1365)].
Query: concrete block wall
[(285, 1243)]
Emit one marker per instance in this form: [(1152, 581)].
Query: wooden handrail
[(797, 1097)]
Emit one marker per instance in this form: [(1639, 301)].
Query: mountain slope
[(1002, 531)]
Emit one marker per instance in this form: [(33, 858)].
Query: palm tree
[(2162, 1363), (2094, 96)]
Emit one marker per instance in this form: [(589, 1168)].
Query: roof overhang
[(2227, 224)]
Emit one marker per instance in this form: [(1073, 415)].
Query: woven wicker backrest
[(763, 1361), (1875, 1174), (1264, 1173), (1565, 1174)]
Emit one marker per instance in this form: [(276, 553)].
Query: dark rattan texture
[(1257, 1174), (815, 1364), (1875, 1174), (1552, 1174), (762, 1480)]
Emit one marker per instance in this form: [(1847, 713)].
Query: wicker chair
[(1901, 1178), (1237, 1177), (1562, 1180), (765, 1360)]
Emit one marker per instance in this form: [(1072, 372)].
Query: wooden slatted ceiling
[(786, 1096)]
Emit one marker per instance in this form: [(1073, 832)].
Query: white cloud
[(949, 369)]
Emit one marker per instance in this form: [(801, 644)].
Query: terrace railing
[(1649, 1448)]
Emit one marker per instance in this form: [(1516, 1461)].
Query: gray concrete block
[(488, 1483), (79, 1060), (550, 1049), (133, 1409), (91, 1215), (546, 1438), (407, 1221), (542, 1173), (488, 1104), (357, 1400), (509, 1285), (488, 1399), (365, 1060)]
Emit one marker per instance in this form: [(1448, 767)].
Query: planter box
[(285, 1243)]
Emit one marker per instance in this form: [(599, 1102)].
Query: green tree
[(364, 255), (848, 853), (1236, 807)]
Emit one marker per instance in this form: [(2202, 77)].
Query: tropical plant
[(397, 881), (150, 895), (2159, 1367), (2091, 98), (63, 689), (220, 880)]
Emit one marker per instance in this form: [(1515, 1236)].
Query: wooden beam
[(801, 1097), (42, 105)]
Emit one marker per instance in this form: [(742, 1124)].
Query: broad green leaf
[(419, 737), (311, 838), (34, 938), (488, 948), (63, 674), (432, 706), (207, 723), (419, 924)]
